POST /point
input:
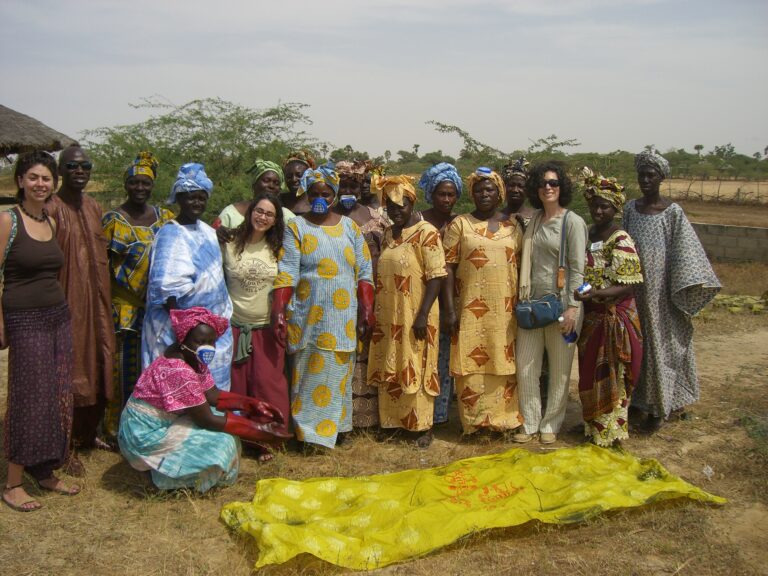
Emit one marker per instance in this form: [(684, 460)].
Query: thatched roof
[(22, 133)]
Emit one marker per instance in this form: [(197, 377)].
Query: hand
[(253, 431), (258, 410), (568, 324), (420, 326), (224, 234), (3, 338), (586, 297)]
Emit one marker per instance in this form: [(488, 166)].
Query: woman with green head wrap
[(265, 176)]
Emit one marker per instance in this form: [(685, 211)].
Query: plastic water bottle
[(571, 337)]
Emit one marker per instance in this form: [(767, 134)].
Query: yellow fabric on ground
[(369, 522)]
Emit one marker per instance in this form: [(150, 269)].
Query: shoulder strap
[(561, 270), (14, 228)]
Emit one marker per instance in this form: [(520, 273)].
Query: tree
[(387, 156), (699, 148), (224, 136), (551, 144), (416, 149), (406, 156)]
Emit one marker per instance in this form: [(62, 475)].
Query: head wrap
[(325, 174), (303, 156), (606, 188), (191, 177), (653, 159), (394, 188), (517, 168), (261, 167), (353, 169), (435, 175), (182, 321), (144, 165), (485, 173)]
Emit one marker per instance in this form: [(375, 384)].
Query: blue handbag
[(548, 309)]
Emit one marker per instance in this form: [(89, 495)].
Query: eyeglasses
[(267, 215), (552, 183), (74, 164)]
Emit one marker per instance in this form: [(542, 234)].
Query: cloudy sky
[(614, 74)]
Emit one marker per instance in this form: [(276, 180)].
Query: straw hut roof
[(21, 133)]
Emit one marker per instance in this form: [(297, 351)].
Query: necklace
[(42, 218)]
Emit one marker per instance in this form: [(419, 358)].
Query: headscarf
[(304, 156), (394, 188), (353, 169), (191, 177), (606, 188), (653, 159), (517, 168), (261, 167), (182, 321), (145, 164), (325, 174), (485, 173), (435, 175)]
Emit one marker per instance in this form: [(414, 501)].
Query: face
[(515, 186), (139, 188), (320, 190), (267, 182), (485, 195), (75, 168), (37, 183), (293, 171), (400, 215), (602, 211), (365, 187), (444, 197), (192, 204), (199, 335), (350, 186), (263, 215), (549, 194), (649, 180)]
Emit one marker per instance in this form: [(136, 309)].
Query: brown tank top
[(31, 271)]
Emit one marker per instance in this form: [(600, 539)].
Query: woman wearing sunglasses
[(250, 267), (549, 190)]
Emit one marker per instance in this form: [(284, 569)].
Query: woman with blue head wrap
[(186, 271), (322, 307)]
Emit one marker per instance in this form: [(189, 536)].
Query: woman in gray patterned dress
[(679, 282)]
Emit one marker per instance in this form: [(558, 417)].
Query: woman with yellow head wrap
[(610, 344), (481, 253), (130, 230), (402, 361)]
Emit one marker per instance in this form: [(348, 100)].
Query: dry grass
[(741, 191), (119, 525)]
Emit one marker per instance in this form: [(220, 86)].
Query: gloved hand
[(258, 410), (366, 320), (249, 430), (280, 299)]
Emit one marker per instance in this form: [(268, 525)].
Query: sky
[(613, 74)]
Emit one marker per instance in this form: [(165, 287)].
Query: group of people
[(325, 302)]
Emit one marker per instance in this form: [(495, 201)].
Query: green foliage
[(224, 136)]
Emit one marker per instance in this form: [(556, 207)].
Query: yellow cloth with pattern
[(485, 294), (398, 363), (369, 522), (616, 262)]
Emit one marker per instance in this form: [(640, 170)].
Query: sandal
[(57, 487), (24, 506)]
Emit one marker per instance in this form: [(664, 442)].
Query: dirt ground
[(119, 525)]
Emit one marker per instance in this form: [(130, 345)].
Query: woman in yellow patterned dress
[(481, 254), (402, 360), (611, 343), (130, 232), (322, 304)]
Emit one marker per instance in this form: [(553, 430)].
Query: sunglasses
[(552, 183), (74, 164)]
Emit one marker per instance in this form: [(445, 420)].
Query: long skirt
[(443, 401), (321, 394), (412, 412), (38, 419), (365, 398), (488, 401), (177, 452), (125, 372), (610, 357), (262, 374)]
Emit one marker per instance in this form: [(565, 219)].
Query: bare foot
[(18, 499), (54, 484)]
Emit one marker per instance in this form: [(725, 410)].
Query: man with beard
[(85, 279)]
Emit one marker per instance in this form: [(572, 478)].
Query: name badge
[(596, 246)]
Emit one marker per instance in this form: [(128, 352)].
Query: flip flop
[(20, 507), (71, 491)]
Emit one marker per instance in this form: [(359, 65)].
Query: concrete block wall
[(733, 243)]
